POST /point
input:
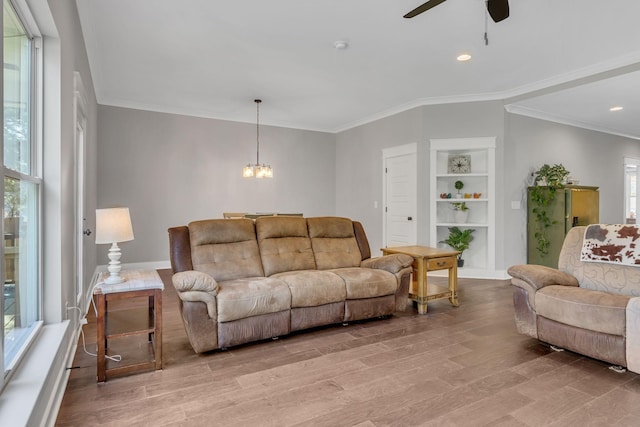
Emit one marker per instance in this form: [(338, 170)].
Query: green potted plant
[(548, 179), (459, 240), (460, 212), (458, 185), (551, 176)]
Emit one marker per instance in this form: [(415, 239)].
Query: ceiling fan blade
[(498, 9), (423, 8)]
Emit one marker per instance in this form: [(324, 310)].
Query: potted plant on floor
[(459, 240)]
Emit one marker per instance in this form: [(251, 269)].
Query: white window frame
[(36, 138), (627, 190)]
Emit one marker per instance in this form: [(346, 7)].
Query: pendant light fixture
[(257, 170)]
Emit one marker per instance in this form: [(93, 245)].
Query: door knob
[(87, 232), (410, 218)]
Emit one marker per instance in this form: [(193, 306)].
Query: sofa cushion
[(367, 282), (583, 308), (598, 276), (225, 249), (284, 244), (252, 296), (334, 242), (313, 287)]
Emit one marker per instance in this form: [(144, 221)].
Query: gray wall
[(359, 177), (66, 53), (171, 169), (359, 184), (594, 158), (523, 145)]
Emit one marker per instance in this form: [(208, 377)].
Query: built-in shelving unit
[(479, 181)]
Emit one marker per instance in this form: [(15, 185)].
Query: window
[(20, 300), (631, 170)]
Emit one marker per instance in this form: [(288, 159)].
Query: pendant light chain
[(258, 101), (258, 170), (486, 23)]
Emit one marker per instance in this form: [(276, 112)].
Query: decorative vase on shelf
[(460, 216)]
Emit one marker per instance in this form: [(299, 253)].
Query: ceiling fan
[(498, 9)]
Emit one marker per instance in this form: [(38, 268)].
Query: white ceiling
[(565, 60)]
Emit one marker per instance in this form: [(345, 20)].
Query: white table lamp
[(113, 225)]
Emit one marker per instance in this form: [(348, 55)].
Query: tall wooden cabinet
[(472, 161), (573, 205)]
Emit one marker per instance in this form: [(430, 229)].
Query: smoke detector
[(341, 45)]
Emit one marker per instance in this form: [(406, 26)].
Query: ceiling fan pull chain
[(486, 24)]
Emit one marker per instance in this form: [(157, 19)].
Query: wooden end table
[(427, 259), (135, 321)]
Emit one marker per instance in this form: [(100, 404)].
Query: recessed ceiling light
[(617, 108), (463, 57)]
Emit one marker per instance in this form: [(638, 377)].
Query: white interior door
[(400, 188)]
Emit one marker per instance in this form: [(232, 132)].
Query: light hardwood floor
[(455, 366)]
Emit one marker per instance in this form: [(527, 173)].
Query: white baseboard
[(470, 273)]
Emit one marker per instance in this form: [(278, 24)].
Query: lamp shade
[(113, 225)]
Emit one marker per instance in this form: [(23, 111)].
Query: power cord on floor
[(83, 321)]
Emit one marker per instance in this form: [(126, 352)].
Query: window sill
[(38, 383)]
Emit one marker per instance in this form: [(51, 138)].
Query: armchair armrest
[(392, 263), (197, 286), (535, 277)]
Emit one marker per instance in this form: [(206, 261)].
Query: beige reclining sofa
[(241, 280), (591, 308)]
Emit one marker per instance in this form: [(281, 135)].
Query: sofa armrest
[(534, 277), (197, 286), (392, 263), (633, 334)]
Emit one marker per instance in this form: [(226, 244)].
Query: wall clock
[(460, 163)]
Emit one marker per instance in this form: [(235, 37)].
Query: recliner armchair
[(591, 308)]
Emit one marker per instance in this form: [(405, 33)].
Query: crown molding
[(557, 118), (589, 74), (190, 112), (595, 72), (420, 102)]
